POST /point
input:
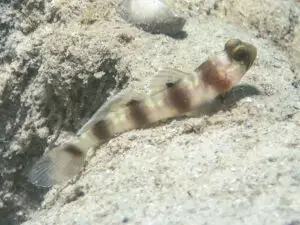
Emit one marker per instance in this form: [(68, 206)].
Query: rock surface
[(239, 164)]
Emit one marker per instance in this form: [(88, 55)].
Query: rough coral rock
[(60, 60)]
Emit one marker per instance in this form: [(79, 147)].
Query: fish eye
[(232, 43), (240, 54)]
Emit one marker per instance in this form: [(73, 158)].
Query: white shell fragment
[(153, 16)]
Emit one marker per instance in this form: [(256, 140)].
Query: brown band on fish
[(213, 77), (179, 98), (101, 130), (73, 150), (138, 113)]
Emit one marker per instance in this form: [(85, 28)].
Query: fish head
[(236, 60), (240, 52), (226, 69)]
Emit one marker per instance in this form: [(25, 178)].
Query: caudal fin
[(60, 164)]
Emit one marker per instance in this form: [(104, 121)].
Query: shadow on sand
[(227, 101)]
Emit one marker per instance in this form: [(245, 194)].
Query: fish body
[(174, 93)]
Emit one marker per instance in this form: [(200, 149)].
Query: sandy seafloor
[(239, 163)]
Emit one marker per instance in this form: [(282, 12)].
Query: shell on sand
[(152, 15)]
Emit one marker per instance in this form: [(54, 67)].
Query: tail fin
[(65, 161), (61, 163)]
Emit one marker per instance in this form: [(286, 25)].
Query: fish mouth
[(241, 52)]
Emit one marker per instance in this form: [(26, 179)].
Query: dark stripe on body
[(73, 150), (179, 98), (211, 76), (101, 130), (138, 113)]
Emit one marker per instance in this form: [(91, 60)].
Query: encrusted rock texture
[(238, 162)]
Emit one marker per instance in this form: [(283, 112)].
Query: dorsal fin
[(112, 104), (206, 65), (170, 84), (166, 78)]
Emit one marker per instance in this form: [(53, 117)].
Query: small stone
[(153, 16), (125, 220)]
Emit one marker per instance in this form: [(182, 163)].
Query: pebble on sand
[(153, 16)]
